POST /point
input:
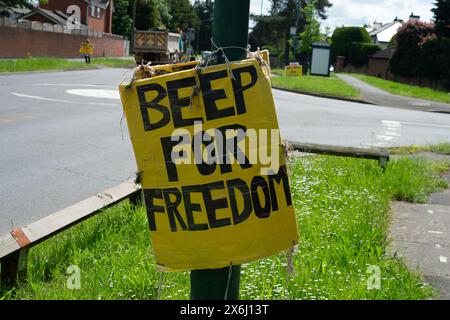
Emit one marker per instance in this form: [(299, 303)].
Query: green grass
[(342, 210), (332, 86), (404, 89), (114, 62), (47, 64), (409, 180), (38, 64), (439, 148)]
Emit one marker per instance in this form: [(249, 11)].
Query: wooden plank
[(55, 223), (375, 154), (8, 245)]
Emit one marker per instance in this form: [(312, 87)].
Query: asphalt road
[(61, 138)]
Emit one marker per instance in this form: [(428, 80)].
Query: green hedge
[(342, 39), (360, 52)]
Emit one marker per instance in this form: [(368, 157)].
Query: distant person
[(87, 51)]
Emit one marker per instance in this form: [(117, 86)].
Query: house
[(95, 15), (12, 12), (382, 34)]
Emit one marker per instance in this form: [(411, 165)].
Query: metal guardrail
[(382, 155), (14, 247)]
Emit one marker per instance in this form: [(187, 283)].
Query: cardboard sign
[(293, 70), (87, 48), (206, 214)]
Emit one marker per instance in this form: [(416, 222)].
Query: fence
[(14, 247), (379, 67)]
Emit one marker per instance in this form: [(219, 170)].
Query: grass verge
[(48, 64), (332, 86), (342, 210), (114, 62), (439, 148), (404, 89)]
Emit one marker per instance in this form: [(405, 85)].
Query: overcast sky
[(359, 12)]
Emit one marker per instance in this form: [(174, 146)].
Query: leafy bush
[(343, 38), (420, 52), (407, 57), (360, 52)]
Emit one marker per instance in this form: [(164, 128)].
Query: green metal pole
[(230, 29)]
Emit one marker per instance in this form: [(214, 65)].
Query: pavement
[(380, 97), (62, 139), (420, 234)]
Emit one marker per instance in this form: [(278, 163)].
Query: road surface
[(61, 137)]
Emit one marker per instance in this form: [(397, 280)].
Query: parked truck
[(157, 47)]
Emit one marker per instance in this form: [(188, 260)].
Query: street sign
[(213, 174)]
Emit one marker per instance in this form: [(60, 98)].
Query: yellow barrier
[(87, 48), (293, 71)]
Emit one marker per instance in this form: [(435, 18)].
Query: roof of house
[(16, 9), (383, 54), (57, 16), (387, 31)]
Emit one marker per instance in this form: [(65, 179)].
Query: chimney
[(413, 17), (377, 25)]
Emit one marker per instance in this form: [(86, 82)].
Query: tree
[(151, 14), (312, 32), (204, 10), (442, 18), (183, 14), (121, 20), (274, 30), (407, 57)]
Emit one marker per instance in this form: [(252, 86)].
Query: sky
[(360, 12)]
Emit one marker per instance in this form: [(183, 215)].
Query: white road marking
[(72, 85), (39, 98), (438, 245), (426, 124), (443, 259), (383, 137), (390, 131), (95, 93), (435, 232), (61, 101), (389, 123), (393, 134), (430, 211)]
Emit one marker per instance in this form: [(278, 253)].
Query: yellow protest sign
[(214, 178), (293, 70), (87, 48)]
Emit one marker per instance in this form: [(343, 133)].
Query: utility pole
[(133, 27), (298, 6), (230, 28)]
